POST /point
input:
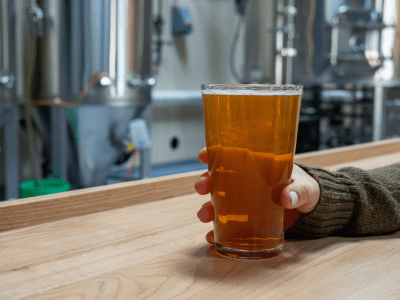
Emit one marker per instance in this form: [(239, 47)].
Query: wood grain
[(157, 250), (368, 163), (37, 210), (347, 154)]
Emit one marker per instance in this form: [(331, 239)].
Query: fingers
[(291, 216), (203, 156), (205, 214), (202, 186), (302, 194), (210, 237)]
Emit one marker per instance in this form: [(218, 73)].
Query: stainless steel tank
[(260, 25), (11, 90), (91, 54), (313, 42), (337, 41), (89, 51)]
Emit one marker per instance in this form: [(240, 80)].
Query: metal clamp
[(290, 52), (290, 10), (139, 82), (35, 16), (7, 81)]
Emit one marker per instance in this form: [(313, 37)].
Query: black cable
[(233, 50), (73, 170)]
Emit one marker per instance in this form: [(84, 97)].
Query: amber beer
[(251, 133)]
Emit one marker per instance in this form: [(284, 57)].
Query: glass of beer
[(251, 133)]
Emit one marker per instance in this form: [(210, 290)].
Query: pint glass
[(251, 133)]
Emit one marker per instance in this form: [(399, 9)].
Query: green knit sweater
[(353, 202)]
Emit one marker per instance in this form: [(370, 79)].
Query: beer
[(251, 138)]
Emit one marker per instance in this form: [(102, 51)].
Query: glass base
[(248, 254)]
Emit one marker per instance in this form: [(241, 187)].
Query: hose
[(233, 50)]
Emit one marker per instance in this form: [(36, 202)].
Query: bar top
[(142, 240)]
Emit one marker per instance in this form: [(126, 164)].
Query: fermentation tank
[(314, 42), (90, 55), (101, 46)]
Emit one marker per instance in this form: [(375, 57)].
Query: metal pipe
[(290, 38), (116, 40), (53, 71), (260, 48), (19, 12), (378, 112), (122, 11), (4, 39), (146, 54), (176, 96), (11, 152), (59, 144)]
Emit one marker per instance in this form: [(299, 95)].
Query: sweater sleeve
[(353, 202)]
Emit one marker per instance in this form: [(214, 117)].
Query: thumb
[(301, 195)]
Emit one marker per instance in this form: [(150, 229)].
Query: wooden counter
[(123, 242)]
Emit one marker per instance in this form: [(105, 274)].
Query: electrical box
[(181, 20)]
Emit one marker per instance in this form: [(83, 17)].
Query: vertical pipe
[(146, 58), (76, 46), (378, 112), (396, 44), (59, 146), (4, 36), (113, 37), (121, 46), (52, 79), (105, 35), (289, 46), (252, 27), (52, 76), (279, 44), (145, 155), (19, 48), (145, 73), (96, 13), (11, 152)]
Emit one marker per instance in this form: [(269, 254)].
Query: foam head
[(251, 89)]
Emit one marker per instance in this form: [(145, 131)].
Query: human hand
[(300, 196)]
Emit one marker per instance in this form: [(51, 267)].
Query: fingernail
[(294, 197)]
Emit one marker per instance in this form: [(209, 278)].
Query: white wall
[(199, 57), (203, 55)]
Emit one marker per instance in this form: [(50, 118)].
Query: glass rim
[(252, 88), (270, 87)]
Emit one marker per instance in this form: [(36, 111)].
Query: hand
[(300, 196)]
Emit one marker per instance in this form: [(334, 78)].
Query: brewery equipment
[(308, 42), (10, 92), (90, 60), (6, 56), (330, 47), (93, 56), (101, 46), (90, 53)]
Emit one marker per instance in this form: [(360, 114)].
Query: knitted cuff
[(334, 208)]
